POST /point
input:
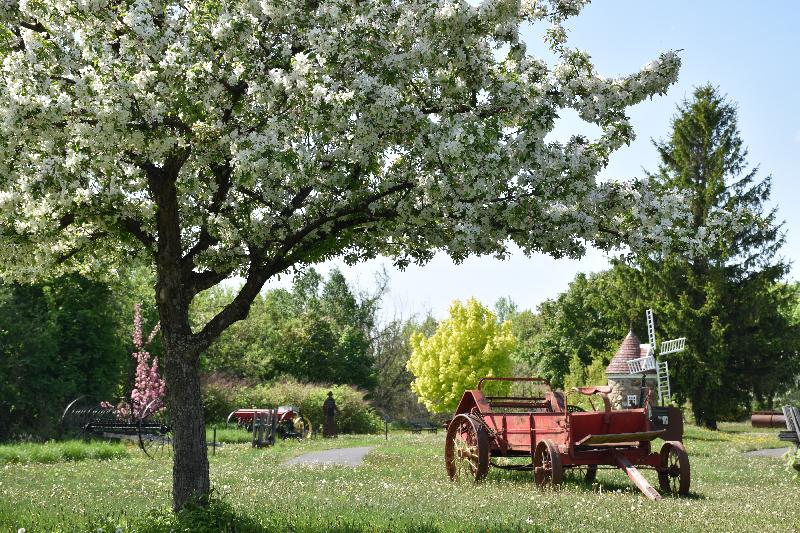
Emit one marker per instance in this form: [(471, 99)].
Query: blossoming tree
[(216, 138), (149, 387), (147, 396)]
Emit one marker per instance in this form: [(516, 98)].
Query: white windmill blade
[(672, 346), (642, 364), (651, 328)]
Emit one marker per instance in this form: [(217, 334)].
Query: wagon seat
[(584, 425)]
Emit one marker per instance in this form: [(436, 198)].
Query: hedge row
[(221, 397)]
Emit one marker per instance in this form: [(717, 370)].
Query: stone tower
[(625, 387)]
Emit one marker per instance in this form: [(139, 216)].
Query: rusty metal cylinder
[(766, 419)]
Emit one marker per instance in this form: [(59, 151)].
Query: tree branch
[(134, 227), (72, 253), (237, 310), (222, 175), (359, 207)]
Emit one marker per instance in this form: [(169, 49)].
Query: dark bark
[(705, 419), (190, 474), (181, 364)]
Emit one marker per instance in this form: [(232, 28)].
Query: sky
[(749, 50)]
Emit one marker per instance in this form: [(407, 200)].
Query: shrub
[(219, 396), (355, 415)]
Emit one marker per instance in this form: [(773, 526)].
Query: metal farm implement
[(153, 436), (285, 422), (555, 438)]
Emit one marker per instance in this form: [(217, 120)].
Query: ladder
[(651, 329), (662, 375)]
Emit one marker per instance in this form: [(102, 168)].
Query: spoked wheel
[(547, 469), (156, 445), (584, 474), (466, 450), (154, 432), (302, 426), (673, 475)]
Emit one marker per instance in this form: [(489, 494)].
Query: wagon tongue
[(636, 476)]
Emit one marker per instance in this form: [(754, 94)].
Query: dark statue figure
[(329, 409)]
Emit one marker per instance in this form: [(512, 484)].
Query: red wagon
[(556, 438)]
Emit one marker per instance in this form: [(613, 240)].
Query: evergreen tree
[(727, 300), (29, 370), (92, 358), (57, 341)]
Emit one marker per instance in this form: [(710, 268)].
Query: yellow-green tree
[(467, 346)]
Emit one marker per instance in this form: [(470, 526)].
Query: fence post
[(273, 426)]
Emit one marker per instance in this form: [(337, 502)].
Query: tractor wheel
[(547, 469), (673, 475), (302, 426), (466, 449)]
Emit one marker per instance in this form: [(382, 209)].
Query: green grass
[(231, 434), (56, 452), (401, 487)]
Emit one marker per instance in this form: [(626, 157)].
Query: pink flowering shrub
[(149, 386)]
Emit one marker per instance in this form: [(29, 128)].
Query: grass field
[(400, 487)]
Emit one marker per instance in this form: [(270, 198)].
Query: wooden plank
[(792, 415), (637, 477), (612, 438)]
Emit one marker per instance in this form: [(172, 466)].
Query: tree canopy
[(467, 346), (215, 138), (58, 341), (729, 301), (319, 331)]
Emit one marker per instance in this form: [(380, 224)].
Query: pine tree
[(727, 301)]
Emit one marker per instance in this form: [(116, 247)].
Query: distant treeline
[(72, 337)]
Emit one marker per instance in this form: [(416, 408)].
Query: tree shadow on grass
[(218, 516), (574, 478)]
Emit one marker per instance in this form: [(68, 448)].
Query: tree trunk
[(704, 418), (190, 476)]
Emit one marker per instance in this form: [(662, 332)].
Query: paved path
[(770, 452), (338, 456)]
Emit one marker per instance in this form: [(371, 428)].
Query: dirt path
[(338, 456), (769, 452)]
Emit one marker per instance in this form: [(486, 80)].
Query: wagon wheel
[(673, 475), (154, 432), (547, 469), (585, 473), (466, 449)]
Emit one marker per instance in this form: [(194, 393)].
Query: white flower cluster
[(386, 126)]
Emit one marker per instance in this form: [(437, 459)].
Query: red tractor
[(290, 424)]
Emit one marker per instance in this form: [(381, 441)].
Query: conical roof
[(631, 348)]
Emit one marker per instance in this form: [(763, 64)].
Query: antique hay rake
[(151, 432)]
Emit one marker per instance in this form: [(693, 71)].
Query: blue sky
[(750, 50)]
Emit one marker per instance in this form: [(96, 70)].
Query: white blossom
[(396, 122)]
